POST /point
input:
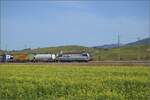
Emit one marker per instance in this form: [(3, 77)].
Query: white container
[(44, 57)]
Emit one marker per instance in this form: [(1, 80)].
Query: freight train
[(60, 57)]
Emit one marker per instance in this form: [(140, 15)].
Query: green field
[(73, 82)]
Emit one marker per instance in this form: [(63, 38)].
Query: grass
[(138, 52), (73, 82)]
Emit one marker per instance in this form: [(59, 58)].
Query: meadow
[(73, 82)]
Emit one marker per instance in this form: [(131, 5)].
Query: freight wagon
[(23, 57), (44, 58)]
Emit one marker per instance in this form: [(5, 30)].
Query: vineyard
[(73, 82)]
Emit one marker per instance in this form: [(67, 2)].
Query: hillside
[(70, 48), (107, 46), (135, 52), (2, 52), (139, 50), (145, 41)]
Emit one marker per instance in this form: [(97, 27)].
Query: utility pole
[(25, 46), (148, 46), (0, 41), (118, 46), (99, 55), (118, 40), (149, 37), (138, 55), (6, 47), (0, 28)]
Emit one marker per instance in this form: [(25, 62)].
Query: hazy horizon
[(34, 24)]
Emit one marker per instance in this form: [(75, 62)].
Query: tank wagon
[(74, 56), (44, 58)]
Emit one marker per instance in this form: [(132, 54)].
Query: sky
[(37, 23)]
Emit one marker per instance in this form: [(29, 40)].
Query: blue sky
[(89, 23)]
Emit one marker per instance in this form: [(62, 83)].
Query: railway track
[(147, 63)]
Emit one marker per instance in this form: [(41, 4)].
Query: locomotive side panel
[(74, 57)]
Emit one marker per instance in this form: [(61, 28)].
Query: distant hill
[(145, 41), (138, 50), (107, 46), (67, 48)]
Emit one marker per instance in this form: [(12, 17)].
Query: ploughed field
[(73, 82)]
